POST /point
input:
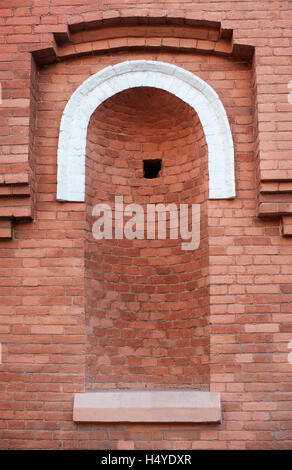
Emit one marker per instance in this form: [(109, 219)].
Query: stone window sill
[(164, 406)]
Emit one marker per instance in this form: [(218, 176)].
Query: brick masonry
[(50, 270)]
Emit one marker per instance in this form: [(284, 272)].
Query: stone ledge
[(162, 406)]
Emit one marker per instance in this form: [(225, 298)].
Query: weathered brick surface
[(46, 326)]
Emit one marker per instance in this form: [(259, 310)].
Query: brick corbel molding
[(98, 34), (275, 200), (17, 181)]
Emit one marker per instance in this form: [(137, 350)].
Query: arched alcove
[(147, 300)]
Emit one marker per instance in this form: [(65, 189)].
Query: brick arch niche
[(146, 300)]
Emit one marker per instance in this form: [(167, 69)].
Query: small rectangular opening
[(151, 168)]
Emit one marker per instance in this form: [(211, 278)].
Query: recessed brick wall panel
[(245, 262)]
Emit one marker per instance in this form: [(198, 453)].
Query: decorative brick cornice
[(176, 34), (275, 200), (15, 201)]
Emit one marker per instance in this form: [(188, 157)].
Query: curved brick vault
[(147, 301)]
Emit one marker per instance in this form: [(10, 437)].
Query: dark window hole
[(151, 168)]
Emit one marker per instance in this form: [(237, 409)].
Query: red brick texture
[(77, 314)]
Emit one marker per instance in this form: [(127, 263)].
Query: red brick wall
[(45, 270)]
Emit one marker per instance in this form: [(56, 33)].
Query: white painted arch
[(140, 73)]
